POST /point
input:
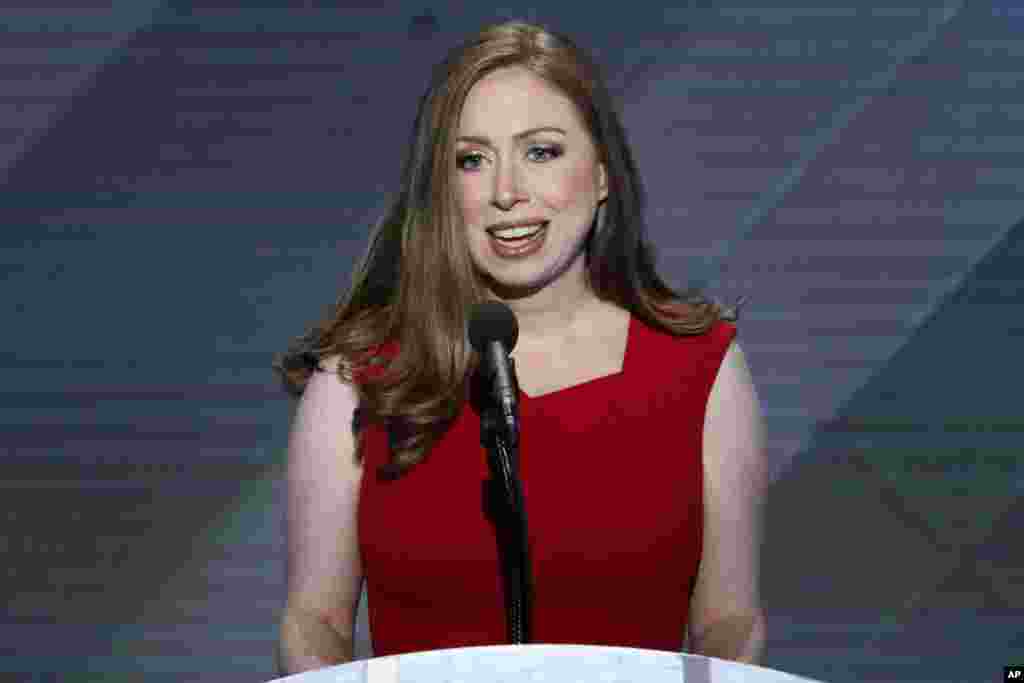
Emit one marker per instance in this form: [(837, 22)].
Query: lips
[(519, 243)]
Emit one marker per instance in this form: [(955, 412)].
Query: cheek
[(573, 187), (472, 200)]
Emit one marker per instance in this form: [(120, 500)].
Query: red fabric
[(612, 478)]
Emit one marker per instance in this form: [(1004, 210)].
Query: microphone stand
[(503, 499)]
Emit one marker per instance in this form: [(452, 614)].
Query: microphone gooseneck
[(493, 332)]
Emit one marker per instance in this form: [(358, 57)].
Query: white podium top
[(544, 664)]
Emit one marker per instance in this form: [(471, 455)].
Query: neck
[(553, 311)]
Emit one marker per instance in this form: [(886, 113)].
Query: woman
[(640, 446)]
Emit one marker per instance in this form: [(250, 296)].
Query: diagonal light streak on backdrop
[(827, 135), (131, 16), (842, 118), (770, 199)]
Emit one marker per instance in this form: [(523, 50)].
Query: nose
[(508, 189)]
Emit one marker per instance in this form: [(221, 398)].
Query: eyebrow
[(481, 140)]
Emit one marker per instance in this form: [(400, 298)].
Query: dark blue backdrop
[(185, 186)]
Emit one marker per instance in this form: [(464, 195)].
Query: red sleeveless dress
[(612, 479)]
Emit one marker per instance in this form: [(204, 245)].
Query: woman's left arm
[(726, 620)]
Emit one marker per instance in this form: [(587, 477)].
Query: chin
[(514, 288)]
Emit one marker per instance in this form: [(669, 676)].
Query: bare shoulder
[(322, 428), (735, 371), (733, 422), (327, 384)]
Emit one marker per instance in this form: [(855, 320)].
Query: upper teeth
[(522, 231)]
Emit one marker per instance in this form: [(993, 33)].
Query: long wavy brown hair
[(416, 282)]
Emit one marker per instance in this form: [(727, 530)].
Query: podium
[(544, 664)]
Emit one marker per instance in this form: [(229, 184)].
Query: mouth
[(518, 232)]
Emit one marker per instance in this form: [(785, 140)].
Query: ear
[(602, 183)]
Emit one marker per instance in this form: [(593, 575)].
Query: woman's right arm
[(324, 568)]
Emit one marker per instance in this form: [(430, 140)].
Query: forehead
[(513, 99)]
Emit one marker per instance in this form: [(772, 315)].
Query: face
[(523, 155)]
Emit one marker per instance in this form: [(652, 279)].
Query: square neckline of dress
[(630, 334)]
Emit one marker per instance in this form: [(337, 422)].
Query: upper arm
[(324, 568), (735, 478)]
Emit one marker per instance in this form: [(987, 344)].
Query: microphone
[(493, 333)]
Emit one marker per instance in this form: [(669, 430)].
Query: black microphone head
[(493, 321)]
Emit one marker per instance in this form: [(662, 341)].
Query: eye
[(544, 152), (470, 158)]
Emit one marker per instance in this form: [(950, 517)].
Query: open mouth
[(518, 235), (518, 242)]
